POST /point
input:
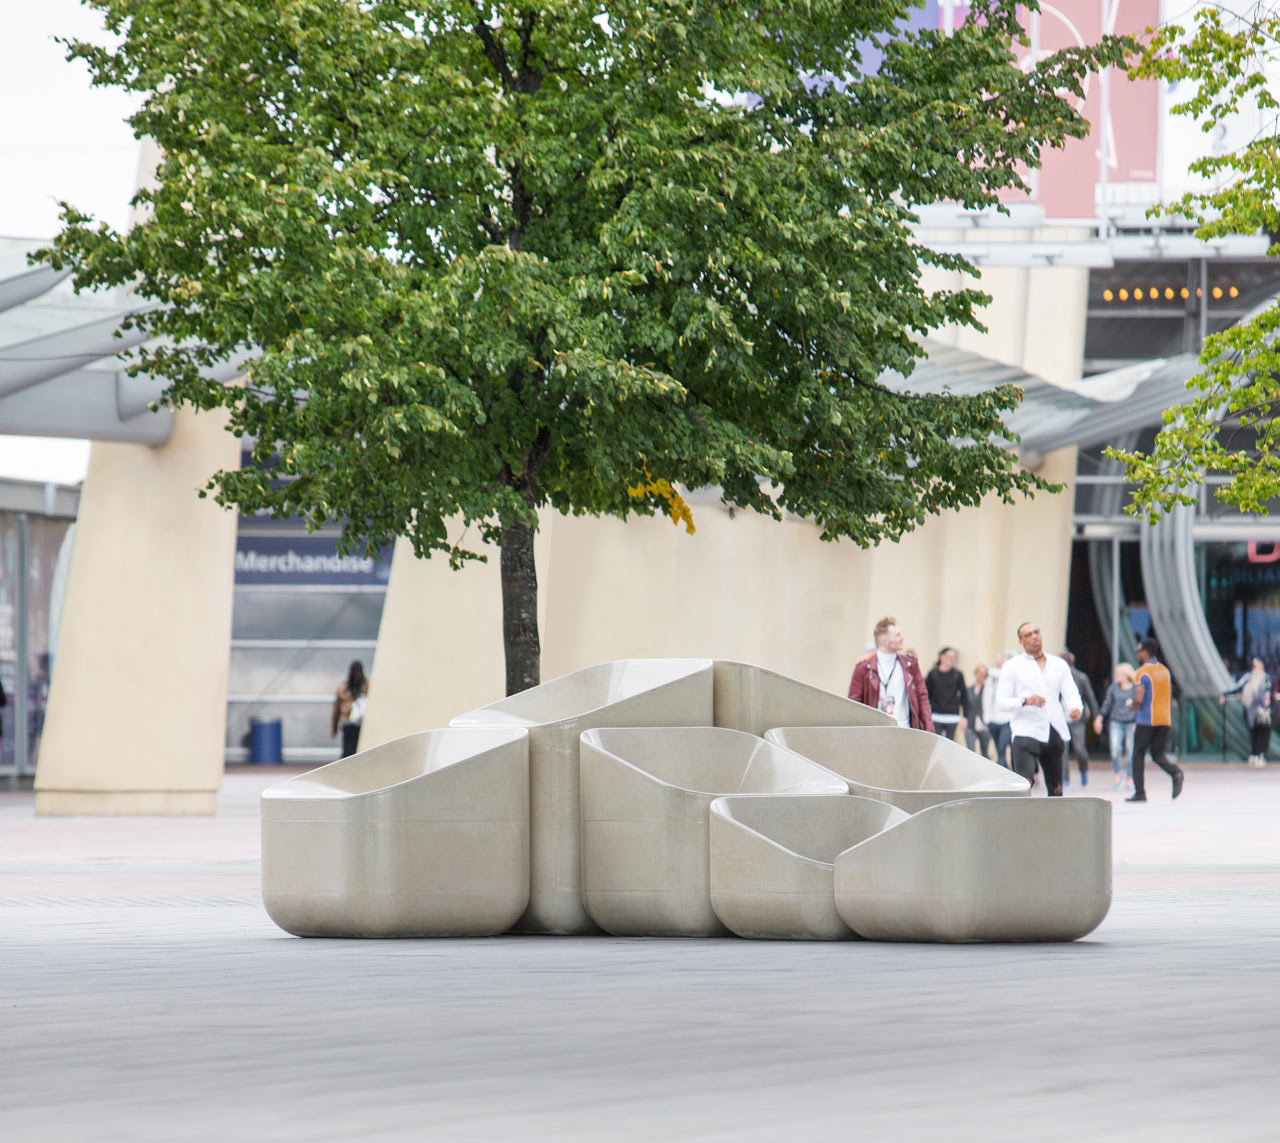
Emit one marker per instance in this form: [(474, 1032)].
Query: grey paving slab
[(144, 995)]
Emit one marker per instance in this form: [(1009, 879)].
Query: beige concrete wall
[(742, 587), (138, 701)]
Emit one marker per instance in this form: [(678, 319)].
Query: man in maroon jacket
[(891, 681)]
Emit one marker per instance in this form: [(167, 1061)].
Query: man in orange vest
[(1153, 700)]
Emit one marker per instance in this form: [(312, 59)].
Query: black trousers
[(1259, 738), (350, 738), (1155, 739), (1028, 752)]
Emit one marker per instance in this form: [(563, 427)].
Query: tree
[(495, 256), (1228, 60)]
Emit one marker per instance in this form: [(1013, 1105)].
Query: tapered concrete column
[(1039, 555), (137, 709)]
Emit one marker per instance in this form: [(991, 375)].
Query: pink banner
[(1067, 181)]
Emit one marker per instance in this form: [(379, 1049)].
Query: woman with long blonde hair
[(1119, 716)]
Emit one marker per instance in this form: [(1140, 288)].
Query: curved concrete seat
[(628, 692), (752, 699), (982, 869), (911, 769), (773, 858), (426, 835), (645, 798)]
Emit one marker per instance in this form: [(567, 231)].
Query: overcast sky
[(60, 139)]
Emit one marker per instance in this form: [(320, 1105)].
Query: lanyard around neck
[(885, 680)]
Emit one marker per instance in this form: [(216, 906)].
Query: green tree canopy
[(1227, 63), (496, 256)]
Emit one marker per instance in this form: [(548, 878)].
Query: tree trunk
[(520, 609)]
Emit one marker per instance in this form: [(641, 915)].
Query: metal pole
[(1104, 120), (1204, 304), (21, 686), (1115, 602), (1035, 62)]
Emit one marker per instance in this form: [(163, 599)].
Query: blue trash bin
[(266, 741)]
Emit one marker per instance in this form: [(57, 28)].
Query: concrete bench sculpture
[(637, 796), (910, 769), (645, 799), (982, 869), (629, 692), (427, 835), (632, 692), (773, 861)]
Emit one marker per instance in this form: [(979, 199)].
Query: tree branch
[(493, 50)]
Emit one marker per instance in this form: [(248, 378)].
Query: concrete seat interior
[(896, 758), (392, 763), (815, 828), (712, 760)]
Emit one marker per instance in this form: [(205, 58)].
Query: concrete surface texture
[(148, 997)]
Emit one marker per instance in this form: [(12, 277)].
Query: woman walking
[(1255, 696), (1119, 717), (349, 703)]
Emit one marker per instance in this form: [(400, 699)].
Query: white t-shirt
[(893, 687)]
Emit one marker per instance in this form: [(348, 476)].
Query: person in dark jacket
[(979, 700), (947, 695), (1076, 747)]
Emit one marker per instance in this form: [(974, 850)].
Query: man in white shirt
[(1039, 697)]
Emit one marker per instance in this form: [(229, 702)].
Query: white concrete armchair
[(752, 699), (773, 861), (645, 799), (427, 835), (629, 692), (982, 869), (911, 769)]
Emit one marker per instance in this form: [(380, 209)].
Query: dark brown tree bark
[(520, 609)]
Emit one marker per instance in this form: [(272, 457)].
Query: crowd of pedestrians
[(1029, 711)]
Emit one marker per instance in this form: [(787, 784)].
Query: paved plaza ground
[(147, 997)]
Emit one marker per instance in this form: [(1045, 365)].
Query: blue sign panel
[(306, 560)]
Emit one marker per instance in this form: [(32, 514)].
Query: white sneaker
[(1257, 762)]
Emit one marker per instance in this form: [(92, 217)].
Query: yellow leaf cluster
[(661, 489)]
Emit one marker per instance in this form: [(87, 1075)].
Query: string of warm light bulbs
[(1167, 293)]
